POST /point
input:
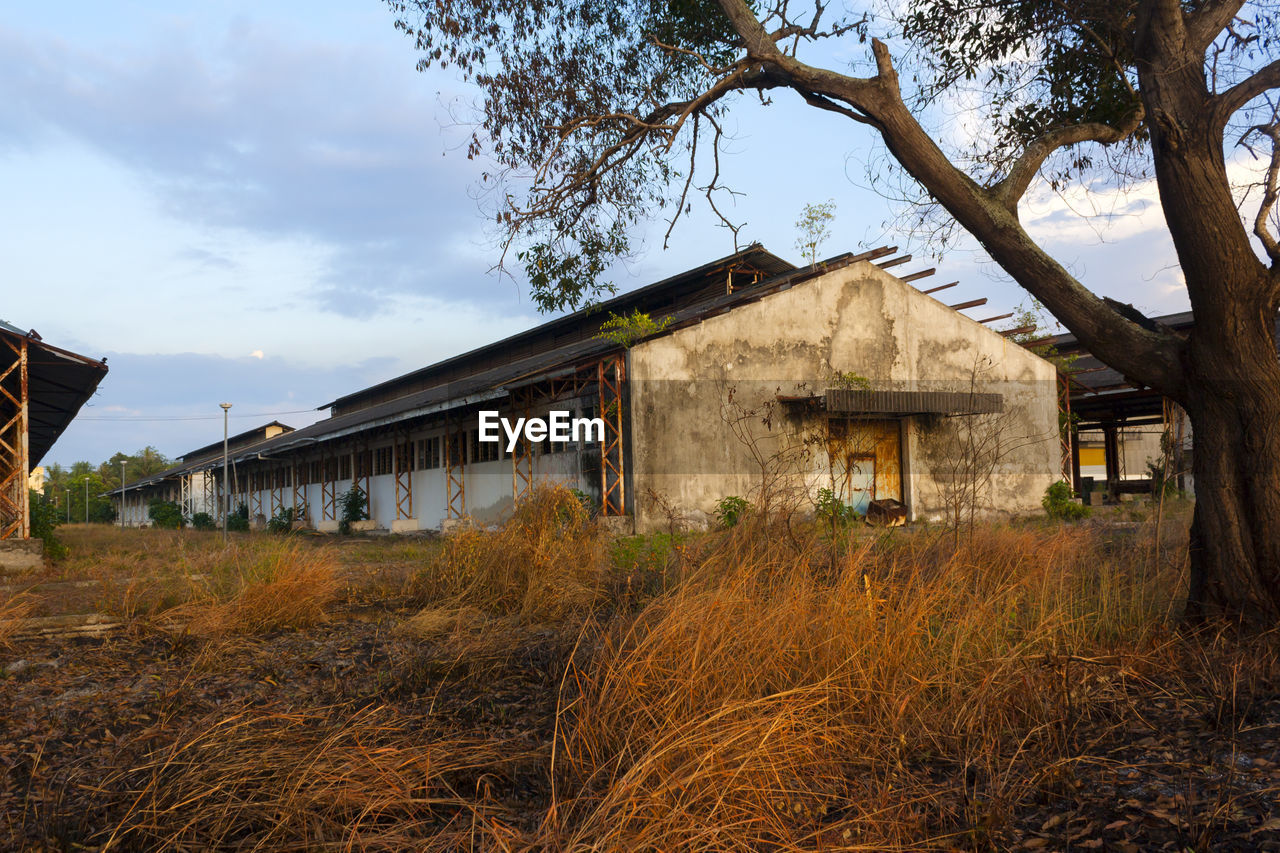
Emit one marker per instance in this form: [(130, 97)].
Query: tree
[(598, 114), (813, 228)]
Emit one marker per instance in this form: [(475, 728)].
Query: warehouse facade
[(753, 374)]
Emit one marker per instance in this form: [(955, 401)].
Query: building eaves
[(59, 383), (755, 254)]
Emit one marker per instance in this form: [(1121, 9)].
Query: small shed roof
[(59, 383)]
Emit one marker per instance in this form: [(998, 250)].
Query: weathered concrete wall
[(21, 555), (694, 441)]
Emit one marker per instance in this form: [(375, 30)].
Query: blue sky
[(267, 204)]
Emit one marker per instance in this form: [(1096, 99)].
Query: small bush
[(831, 509), (1058, 503), (282, 521), (238, 521), (355, 507), (203, 521), (45, 518), (732, 509), (165, 514)]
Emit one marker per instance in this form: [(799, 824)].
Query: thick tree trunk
[(1233, 400)]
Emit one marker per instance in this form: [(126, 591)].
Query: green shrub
[(239, 520), (203, 521), (833, 510), (45, 518), (164, 514), (282, 521), (355, 507), (731, 509), (1058, 503)]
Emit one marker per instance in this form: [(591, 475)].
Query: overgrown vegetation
[(203, 521), (731, 509), (166, 515), (626, 330), (355, 507), (540, 686), (1059, 502), (45, 518), (238, 521), (282, 521)]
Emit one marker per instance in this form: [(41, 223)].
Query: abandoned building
[(746, 376), (1124, 435), (190, 483), (42, 388)]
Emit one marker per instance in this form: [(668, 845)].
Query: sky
[(267, 204)]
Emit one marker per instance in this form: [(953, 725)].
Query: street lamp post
[(226, 484), (122, 495)]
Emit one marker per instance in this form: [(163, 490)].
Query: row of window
[(421, 455)]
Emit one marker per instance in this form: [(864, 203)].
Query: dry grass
[(271, 586), (780, 690), (12, 613), (307, 781), (546, 562), (773, 700)]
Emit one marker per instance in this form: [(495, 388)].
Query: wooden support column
[(1111, 449), (299, 490), (522, 454), (455, 470), (610, 376), (1065, 430), (15, 521), (402, 462), (329, 488)]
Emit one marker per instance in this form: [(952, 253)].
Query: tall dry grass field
[(779, 689), (780, 699)]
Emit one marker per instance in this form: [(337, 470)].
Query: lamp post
[(226, 484), (122, 494)]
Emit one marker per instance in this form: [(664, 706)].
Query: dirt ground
[(104, 738)]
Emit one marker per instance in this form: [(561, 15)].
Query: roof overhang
[(888, 404), (59, 383)]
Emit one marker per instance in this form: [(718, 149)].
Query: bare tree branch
[(1014, 185), (1265, 78), (1270, 193), (1114, 338), (1204, 24)]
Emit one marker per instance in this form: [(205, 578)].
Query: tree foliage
[(597, 115)]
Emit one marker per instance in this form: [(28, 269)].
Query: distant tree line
[(63, 486)]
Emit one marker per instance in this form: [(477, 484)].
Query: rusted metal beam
[(610, 375), (893, 262), (918, 275), (972, 303), (1021, 330), (997, 317), (941, 287)]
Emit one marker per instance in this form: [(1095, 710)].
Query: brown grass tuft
[(785, 696), (12, 613), (548, 561)]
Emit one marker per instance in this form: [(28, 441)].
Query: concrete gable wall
[(859, 320)]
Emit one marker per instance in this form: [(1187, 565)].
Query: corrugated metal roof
[(494, 382), (546, 337), (59, 383)]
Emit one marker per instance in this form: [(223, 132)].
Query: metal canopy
[(864, 402), (59, 383), (42, 388)]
